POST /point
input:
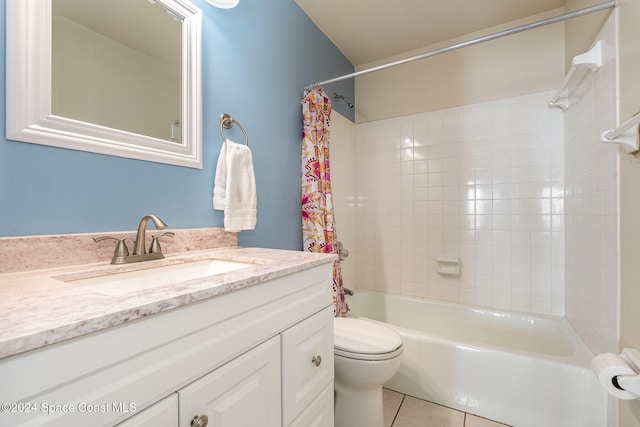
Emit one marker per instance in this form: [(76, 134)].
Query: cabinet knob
[(317, 360), (200, 421)]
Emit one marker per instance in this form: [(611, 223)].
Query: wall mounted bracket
[(590, 60), (626, 135)]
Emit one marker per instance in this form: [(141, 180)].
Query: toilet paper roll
[(607, 366)]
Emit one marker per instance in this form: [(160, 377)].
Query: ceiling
[(368, 30)]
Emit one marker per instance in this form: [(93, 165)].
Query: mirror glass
[(118, 64), (117, 77)]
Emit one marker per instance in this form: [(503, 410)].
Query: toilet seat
[(363, 339)]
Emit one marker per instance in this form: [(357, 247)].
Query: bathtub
[(519, 369)]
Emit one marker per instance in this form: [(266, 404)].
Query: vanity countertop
[(37, 308)]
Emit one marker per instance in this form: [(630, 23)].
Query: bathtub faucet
[(342, 252), (349, 292)]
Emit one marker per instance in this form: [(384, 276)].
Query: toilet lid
[(364, 337)]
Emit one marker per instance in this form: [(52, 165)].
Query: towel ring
[(226, 122)]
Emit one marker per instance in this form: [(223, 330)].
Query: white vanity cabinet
[(273, 384), (245, 358)]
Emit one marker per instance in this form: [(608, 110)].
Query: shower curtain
[(318, 223)]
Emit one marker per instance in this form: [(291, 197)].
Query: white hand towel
[(234, 189)]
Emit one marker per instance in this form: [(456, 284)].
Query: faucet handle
[(342, 252), (155, 241), (121, 247)]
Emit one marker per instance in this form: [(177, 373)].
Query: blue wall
[(257, 58)]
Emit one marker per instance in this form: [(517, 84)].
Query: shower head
[(344, 98)]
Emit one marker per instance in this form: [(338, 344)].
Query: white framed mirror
[(44, 107)]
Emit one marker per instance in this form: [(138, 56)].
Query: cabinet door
[(161, 414), (307, 362), (244, 392)]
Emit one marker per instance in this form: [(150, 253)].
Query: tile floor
[(401, 410)]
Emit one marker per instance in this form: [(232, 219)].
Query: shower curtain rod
[(559, 18)]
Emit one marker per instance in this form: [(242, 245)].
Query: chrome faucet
[(121, 255), (341, 251), (347, 292)]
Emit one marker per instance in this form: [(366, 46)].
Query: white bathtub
[(522, 370)]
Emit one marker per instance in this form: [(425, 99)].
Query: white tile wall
[(487, 183), (483, 182), (591, 205)]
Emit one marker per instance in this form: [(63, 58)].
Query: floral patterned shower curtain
[(318, 223)]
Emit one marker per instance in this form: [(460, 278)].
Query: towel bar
[(226, 122)]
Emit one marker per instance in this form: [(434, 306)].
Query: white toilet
[(366, 355)]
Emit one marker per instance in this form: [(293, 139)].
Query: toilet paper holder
[(630, 383)]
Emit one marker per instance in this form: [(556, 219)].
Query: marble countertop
[(38, 308)]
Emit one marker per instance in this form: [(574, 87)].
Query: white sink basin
[(131, 281)]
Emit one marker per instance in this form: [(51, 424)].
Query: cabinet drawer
[(319, 413), (161, 414), (304, 376)]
